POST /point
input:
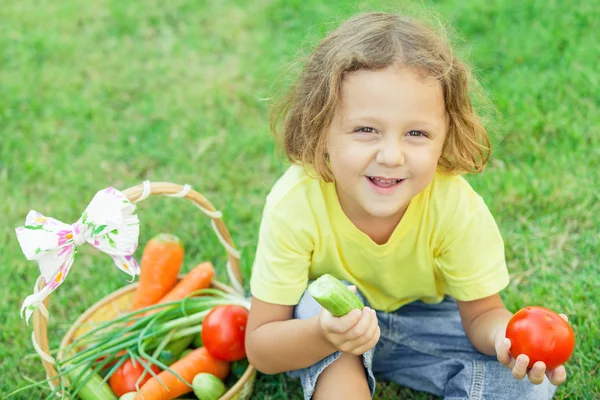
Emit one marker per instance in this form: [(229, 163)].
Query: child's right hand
[(354, 333)]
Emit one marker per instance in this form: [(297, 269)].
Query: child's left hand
[(519, 365)]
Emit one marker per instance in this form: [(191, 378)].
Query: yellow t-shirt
[(446, 243)]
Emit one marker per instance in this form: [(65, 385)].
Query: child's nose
[(390, 155)]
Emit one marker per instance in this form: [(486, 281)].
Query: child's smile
[(383, 185)]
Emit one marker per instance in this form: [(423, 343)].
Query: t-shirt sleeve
[(471, 256), (283, 256)]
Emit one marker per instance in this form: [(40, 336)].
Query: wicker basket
[(120, 301)]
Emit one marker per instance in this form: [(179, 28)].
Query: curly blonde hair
[(374, 41)]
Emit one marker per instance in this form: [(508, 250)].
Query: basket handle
[(135, 194), (140, 192)]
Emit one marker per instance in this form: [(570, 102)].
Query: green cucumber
[(334, 296), (93, 389)]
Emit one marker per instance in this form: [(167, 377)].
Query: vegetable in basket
[(127, 375), (197, 341), (208, 387), (174, 350), (166, 357), (185, 353), (160, 265), (188, 367), (198, 278), (93, 388), (223, 332)]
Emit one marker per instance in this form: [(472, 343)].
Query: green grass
[(105, 93)]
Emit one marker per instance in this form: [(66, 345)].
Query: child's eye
[(417, 133), (365, 129)]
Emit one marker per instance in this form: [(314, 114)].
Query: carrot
[(198, 278), (199, 360), (160, 265)]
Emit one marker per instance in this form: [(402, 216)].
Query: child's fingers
[(537, 372), (374, 325), (558, 375), (362, 326), (364, 330), (370, 337), (353, 288), (369, 344), (519, 369), (503, 352), (341, 324)]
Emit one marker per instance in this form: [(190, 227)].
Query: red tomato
[(542, 335), (223, 332), (124, 378)]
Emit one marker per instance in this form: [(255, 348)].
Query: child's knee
[(344, 378), (335, 369)]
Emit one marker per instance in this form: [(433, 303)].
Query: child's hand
[(519, 365), (355, 333)]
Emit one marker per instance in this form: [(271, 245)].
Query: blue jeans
[(424, 347)]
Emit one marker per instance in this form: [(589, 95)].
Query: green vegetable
[(208, 387), (128, 396), (239, 367), (178, 346), (93, 388), (197, 341), (173, 351), (185, 353), (334, 296), (167, 357)]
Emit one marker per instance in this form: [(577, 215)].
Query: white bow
[(108, 223)]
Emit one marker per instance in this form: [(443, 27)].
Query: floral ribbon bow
[(108, 223)]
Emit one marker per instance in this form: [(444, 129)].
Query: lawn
[(110, 93)]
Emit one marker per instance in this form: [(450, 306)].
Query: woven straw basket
[(120, 301)]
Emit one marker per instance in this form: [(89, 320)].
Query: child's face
[(385, 140)]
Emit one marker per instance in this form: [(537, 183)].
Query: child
[(380, 127)]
